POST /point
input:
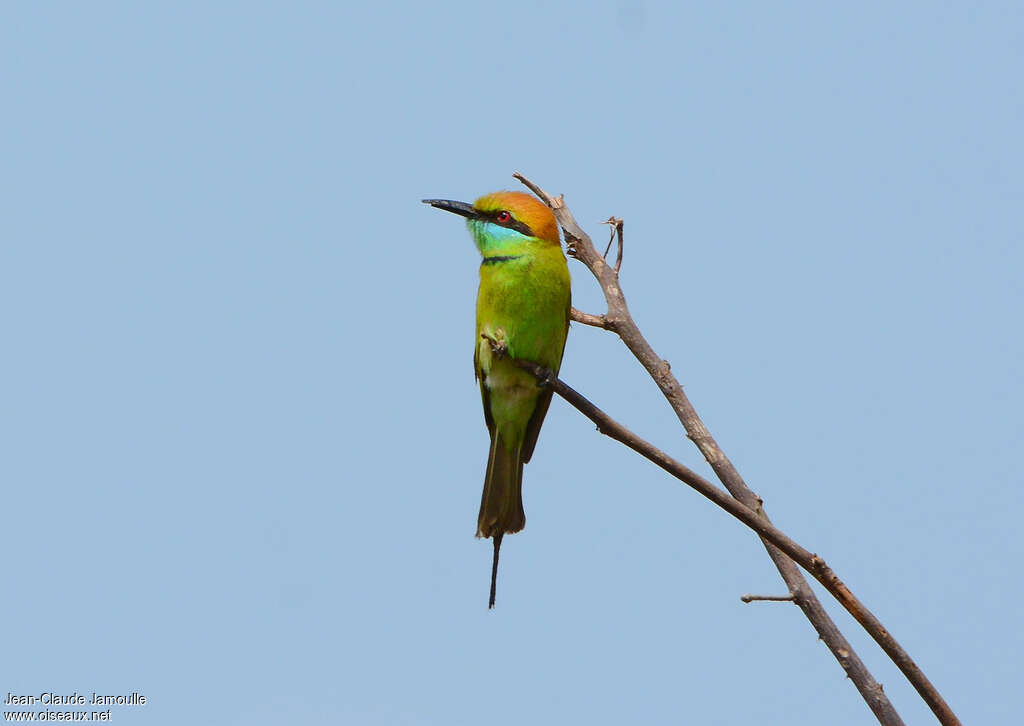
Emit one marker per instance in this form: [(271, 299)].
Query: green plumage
[(523, 303), (522, 309)]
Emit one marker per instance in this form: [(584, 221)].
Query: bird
[(522, 312)]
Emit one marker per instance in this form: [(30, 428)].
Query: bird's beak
[(466, 210)]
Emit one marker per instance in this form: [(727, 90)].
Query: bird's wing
[(481, 376), (544, 399), (533, 427)]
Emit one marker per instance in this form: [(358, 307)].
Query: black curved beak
[(466, 210)]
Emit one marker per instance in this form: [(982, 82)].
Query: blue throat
[(494, 241)]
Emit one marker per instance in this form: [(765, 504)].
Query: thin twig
[(616, 224), (767, 598), (619, 320), (598, 321)]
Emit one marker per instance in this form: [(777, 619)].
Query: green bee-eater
[(523, 307)]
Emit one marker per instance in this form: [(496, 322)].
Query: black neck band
[(499, 258)]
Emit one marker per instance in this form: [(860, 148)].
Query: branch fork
[(743, 503)]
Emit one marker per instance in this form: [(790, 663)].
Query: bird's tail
[(501, 507)]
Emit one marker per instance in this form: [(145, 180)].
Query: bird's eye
[(503, 217)]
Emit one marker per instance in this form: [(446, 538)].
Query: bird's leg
[(545, 377)]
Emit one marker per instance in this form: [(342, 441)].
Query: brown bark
[(744, 504)]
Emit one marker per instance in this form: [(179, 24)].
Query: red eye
[(503, 217)]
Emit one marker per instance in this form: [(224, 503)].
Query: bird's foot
[(498, 346)]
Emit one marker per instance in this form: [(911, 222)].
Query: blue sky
[(242, 446)]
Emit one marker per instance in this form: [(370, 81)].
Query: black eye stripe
[(512, 223)]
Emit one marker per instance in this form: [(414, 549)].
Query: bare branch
[(816, 566), (620, 321), (598, 321), (544, 196), (616, 224), (767, 598)]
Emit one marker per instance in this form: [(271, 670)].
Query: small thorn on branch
[(767, 598)]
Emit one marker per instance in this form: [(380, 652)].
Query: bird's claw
[(498, 347)]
